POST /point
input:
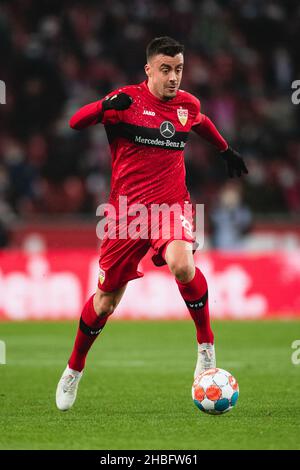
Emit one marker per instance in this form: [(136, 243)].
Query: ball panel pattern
[(233, 382), (234, 398), (199, 393), (208, 405), (227, 392), (215, 391), (206, 381), (198, 404), (220, 379), (222, 405)]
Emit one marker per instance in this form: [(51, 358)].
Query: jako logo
[(149, 113), (2, 92)]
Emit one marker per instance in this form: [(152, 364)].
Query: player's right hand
[(119, 102)]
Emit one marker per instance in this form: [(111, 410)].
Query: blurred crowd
[(241, 58)]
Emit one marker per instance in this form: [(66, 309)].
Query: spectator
[(230, 220), (241, 57)]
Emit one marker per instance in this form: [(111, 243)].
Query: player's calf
[(104, 304), (183, 271)]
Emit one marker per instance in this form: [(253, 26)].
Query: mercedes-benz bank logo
[(167, 129)]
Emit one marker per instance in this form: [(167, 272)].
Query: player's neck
[(154, 93)]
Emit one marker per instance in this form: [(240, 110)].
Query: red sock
[(89, 328), (195, 295)]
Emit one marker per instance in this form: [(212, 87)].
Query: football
[(215, 391)]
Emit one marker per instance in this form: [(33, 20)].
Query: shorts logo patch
[(101, 275)]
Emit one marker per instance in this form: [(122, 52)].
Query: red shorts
[(120, 257)]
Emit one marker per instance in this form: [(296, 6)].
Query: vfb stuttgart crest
[(182, 115)]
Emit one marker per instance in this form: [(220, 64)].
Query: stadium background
[(241, 59)]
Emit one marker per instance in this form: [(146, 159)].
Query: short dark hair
[(164, 45)]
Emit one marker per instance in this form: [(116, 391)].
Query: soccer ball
[(215, 391)]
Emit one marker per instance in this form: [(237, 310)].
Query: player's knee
[(183, 271), (104, 306)]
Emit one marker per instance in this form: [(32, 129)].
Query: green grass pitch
[(136, 390)]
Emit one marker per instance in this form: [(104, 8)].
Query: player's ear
[(147, 69)]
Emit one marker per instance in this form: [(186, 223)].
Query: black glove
[(235, 163), (119, 102)]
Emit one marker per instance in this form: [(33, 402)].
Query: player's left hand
[(235, 164)]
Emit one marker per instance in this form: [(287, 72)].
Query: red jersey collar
[(153, 97)]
